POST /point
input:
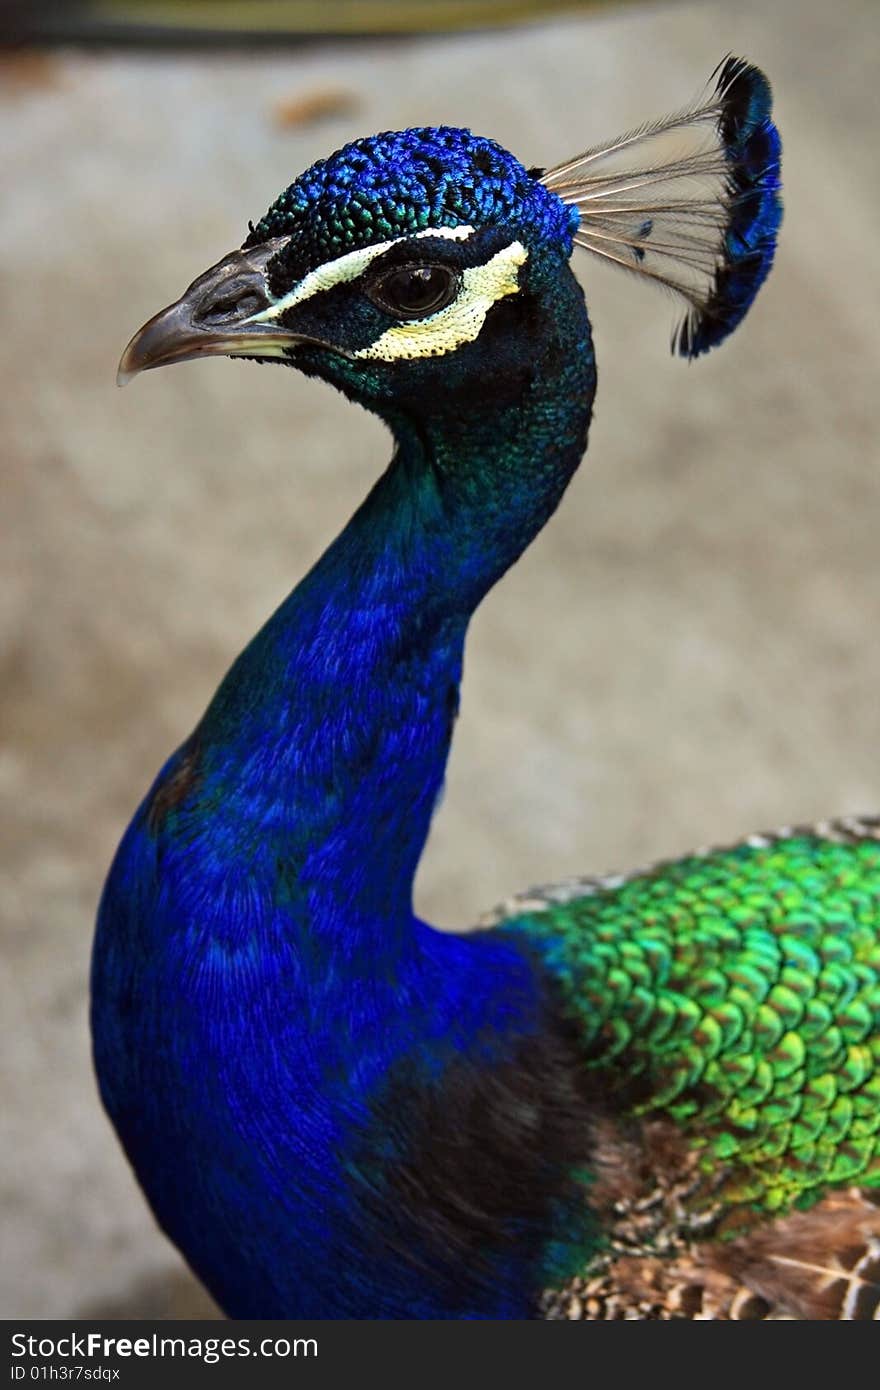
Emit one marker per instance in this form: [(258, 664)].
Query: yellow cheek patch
[(462, 320)]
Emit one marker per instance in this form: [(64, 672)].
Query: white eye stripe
[(461, 321), (346, 268)]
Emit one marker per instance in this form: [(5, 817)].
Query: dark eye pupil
[(417, 291)]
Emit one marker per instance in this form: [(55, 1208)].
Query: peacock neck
[(309, 1038), (327, 742)]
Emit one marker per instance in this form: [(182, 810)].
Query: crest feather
[(690, 202)]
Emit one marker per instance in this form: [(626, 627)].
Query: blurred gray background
[(687, 653)]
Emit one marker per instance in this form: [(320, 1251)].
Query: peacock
[(650, 1096)]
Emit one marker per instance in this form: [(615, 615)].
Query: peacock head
[(379, 266), (413, 267)]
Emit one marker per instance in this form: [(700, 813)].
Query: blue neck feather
[(328, 739), (257, 940)]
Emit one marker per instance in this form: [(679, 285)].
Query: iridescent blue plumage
[(334, 1109), (257, 950), (404, 181)]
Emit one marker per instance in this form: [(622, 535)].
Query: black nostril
[(230, 306)]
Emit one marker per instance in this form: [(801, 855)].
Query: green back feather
[(737, 992)]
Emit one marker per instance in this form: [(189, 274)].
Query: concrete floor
[(688, 653)]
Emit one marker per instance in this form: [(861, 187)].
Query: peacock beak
[(213, 318)]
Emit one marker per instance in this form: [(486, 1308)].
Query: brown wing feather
[(820, 1264), (674, 1252)]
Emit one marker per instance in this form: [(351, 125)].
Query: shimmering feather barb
[(691, 202)]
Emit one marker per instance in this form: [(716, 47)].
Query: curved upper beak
[(220, 315)]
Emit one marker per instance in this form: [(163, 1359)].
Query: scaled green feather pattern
[(737, 992)]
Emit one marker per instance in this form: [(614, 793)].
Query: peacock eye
[(415, 291)]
